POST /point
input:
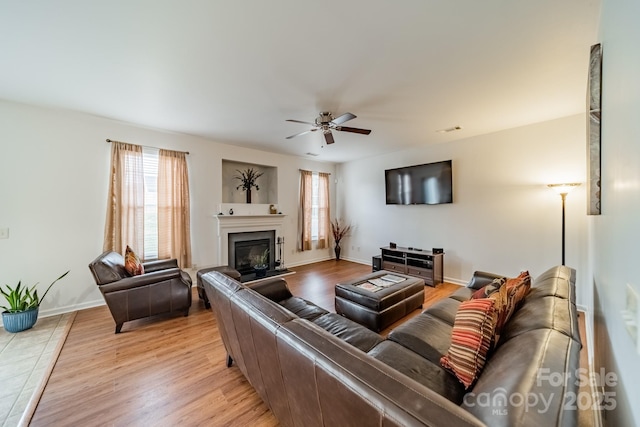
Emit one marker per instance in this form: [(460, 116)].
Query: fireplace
[(246, 222), (245, 246)]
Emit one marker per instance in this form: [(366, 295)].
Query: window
[(150, 171), (148, 203), (313, 223), (314, 207)]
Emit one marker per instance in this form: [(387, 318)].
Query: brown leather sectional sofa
[(315, 368)]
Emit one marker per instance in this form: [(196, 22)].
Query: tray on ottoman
[(363, 300)]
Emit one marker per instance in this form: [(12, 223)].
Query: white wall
[(504, 217), (616, 233), (54, 168)]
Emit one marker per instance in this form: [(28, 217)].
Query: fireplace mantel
[(244, 223)]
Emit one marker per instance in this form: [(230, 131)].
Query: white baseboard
[(70, 308), (456, 281)]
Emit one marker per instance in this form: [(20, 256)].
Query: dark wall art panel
[(593, 131)]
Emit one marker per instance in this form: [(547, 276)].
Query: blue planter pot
[(260, 271), (16, 322)]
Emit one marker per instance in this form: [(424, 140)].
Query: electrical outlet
[(4, 233)]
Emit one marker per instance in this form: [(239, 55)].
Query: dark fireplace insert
[(245, 247)]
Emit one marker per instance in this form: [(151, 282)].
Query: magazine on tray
[(393, 278), (369, 286), (381, 282)]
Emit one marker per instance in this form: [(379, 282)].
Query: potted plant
[(261, 263), (23, 304), (248, 180), (339, 231)]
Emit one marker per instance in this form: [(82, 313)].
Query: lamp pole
[(564, 198), (563, 190)]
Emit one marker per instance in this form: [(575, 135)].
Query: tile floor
[(25, 360)]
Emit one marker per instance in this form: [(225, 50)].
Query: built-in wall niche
[(268, 182)]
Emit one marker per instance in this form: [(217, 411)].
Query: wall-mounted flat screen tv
[(428, 184)]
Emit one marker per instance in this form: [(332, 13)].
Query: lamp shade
[(564, 188)]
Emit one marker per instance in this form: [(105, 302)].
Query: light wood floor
[(170, 371)]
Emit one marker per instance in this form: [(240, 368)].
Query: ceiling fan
[(326, 123)]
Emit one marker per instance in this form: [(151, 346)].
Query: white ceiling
[(234, 71)]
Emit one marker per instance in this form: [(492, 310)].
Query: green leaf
[(24, 298)]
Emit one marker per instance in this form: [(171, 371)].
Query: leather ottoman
[(379, 308), (224, 269)]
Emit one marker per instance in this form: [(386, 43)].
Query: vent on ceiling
[(312, 154), (451, 129)]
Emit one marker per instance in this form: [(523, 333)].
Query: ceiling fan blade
[(328, 136), (354, 130), (300, 121), (301, 133), (343, 118)]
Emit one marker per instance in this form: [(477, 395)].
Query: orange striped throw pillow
[(471, 338)]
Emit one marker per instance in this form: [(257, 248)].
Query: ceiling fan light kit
[(326, 122)]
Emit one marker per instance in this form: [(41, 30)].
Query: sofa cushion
[(419, 369), (445, 310), (470, 339), (132, 263), (303, 308), (544, 313), (349, 331), (556, 281), (553, 282), (425, 335), (462, 294), (528, 366)]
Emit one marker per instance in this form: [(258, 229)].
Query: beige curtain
[(125, 201), (174, 230), (304, 213), (323, 210)]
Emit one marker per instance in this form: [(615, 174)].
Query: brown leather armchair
[(163, 288)]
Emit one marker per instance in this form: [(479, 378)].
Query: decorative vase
[(20, 321), (260, 271), (337, 250), (249, 196)]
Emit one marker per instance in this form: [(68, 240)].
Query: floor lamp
[(563, 190)]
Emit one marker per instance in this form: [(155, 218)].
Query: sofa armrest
[(275, 289), (161, 264), (142, 280), (482, 278)]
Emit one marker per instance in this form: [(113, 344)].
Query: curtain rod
[(147, 146), (305, 170)]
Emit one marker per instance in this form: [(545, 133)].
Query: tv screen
[(428, 184)]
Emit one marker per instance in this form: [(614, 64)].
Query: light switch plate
[(631, 316), (4, 233)]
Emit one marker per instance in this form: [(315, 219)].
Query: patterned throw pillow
[(132, 263), (489, 289), (517, 289), (501, 299), (471, 337), (507, 299)]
